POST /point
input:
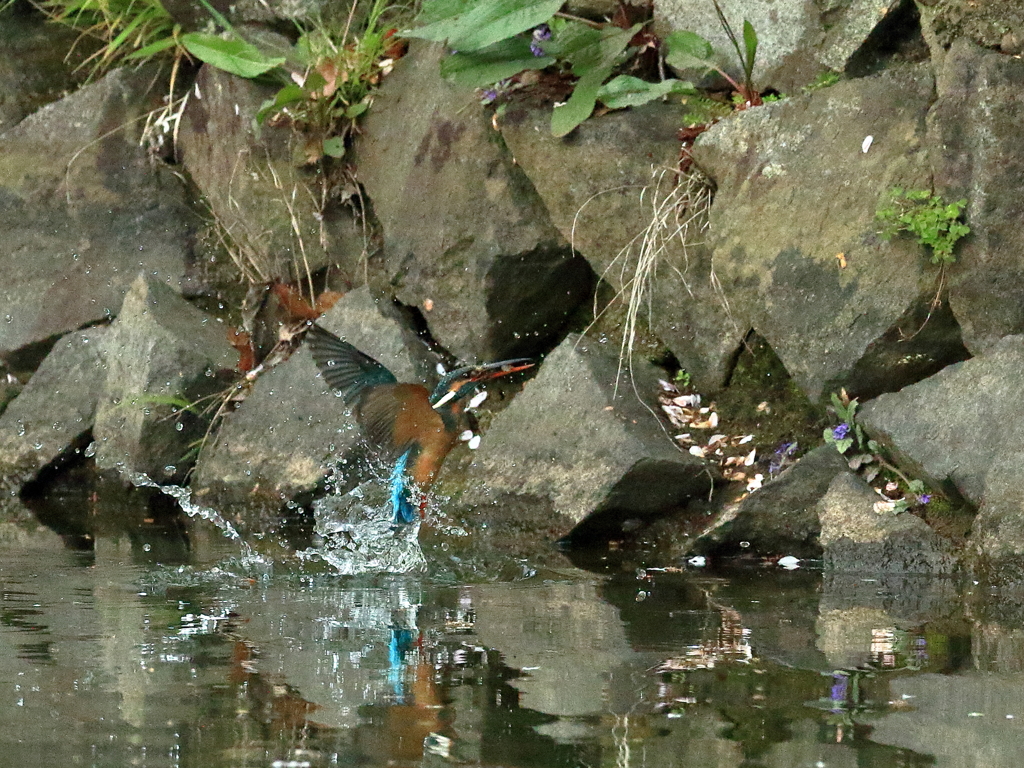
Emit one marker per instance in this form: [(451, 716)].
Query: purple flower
[(838, 693), (924, 498), (489, 95), (840, 432), (543, 32), (536, 50)]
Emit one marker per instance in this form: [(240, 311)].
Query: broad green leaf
[(487, 22), (750, 43), (438, 10), (356, 110), (688, 50), (580, 105), (627, 91), (603, 52), (235, 56), (334, 146), (290, 94), (493, 63)]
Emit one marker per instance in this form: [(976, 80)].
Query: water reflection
[(109, 660)]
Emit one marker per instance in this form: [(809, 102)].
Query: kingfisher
[(411, 426)]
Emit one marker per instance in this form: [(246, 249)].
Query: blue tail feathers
[(404, 510)]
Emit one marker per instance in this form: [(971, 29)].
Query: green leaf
[(493, 63), (356, 110), (438, 10), (290, 94), (627, 91), (152, 49), (750, 43), (688, 50), (580, 105), (334, 146), (487, 22), (602, 52), (235, 56)]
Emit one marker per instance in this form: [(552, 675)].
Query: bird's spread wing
[(344, 367), (395, 418)]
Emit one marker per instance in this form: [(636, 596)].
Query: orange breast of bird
[(421, 426)]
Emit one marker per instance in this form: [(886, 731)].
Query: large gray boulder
[(466, 237), (160, 349), (83, 210), (780, 519), (954, 426), (858, 539), (585, 438), (797, 40), (280, 440), (977, 152), (612, 190), (963, 427), (55, 411), (37, 63), (280, 222), (796, 252)]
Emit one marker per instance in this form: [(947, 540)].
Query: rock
[(55, 411), (996, 24), (831, 325), (954, 426), (35, 64), (466, 237), (592, 182), (977, 152), (604, 185), (856, 538), (279, 441), (278, 222), (796, 40), (160, 349), (83, 211), (584, 439), (781, 518)]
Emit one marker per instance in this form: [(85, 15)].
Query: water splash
[(184, 498), (358, 534)]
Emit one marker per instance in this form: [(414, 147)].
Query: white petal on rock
[(715, 439), (474, 442), (789, 562), (440, 369), (746, 439), (866, 144), (755, 482), (696, 450), (749, 458), (478, 398), (697, 561), (687, 401), (713, 419), (466, 435)]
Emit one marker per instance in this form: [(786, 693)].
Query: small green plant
[(825, 79), (495, 40), (867, 459), (689, 51), (848, 433), (682, 378), (934, 223), (332, 86), (143, 30)]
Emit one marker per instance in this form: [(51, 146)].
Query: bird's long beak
[(503, 368), (486, 373)]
